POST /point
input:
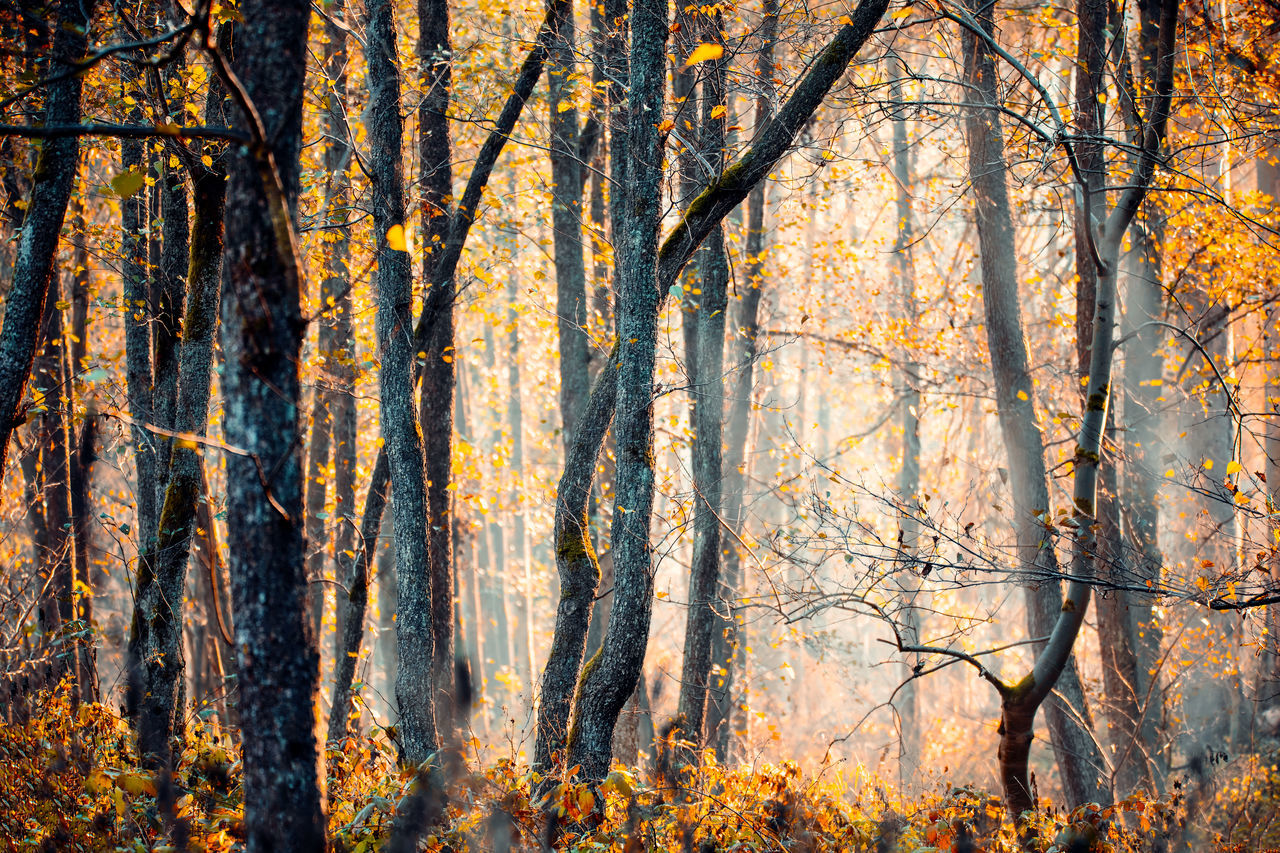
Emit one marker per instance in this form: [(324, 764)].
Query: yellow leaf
[(1208, 464), (173, 161), (207, 161), (1232, 467), (564, 106), (704, 53), (586, 801), (665, 125), (620, 781), (1022, 395), (397, 238), (718, 111), (136, 784)]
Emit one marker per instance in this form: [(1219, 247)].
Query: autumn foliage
[(70, 780)]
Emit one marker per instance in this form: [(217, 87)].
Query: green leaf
[(127, 183)]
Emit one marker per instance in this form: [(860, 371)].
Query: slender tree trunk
[(909, 403), (328, 438), (355, 571), (719, 725), (438, 372), (1143, 420), (55, 174), (415, 616), (340, 367), (262, 330), (711, 205), (83, 457), (518, 498), (706, 600), (610, 680), (156, 655), (388, 604), (57, 610), (1079, 761)]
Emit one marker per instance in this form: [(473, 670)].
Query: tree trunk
[(438, 375), (57, 609), (909, 403), (711, 205), (404, 444), (340, 369), (83, 456), (262, 330), (719, 725), (1079, 761), (518, 500), (355, 572), (610, 679), (52, 182), (706, 601), (155, 648)]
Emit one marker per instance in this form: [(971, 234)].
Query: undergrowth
[(70, 781)]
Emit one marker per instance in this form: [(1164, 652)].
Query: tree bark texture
[(439, 355), (707, 313), (57, 609), (566, 226), (415, 617), (262, 331), (155, 647), (909, 403), (54, 177), (606, 685), (347, 651)]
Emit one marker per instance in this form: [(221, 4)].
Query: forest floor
[(70, 780)]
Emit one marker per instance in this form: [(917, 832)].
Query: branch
[(123, 131)]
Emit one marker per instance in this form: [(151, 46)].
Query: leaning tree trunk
[(1079, 761), (262, 330), (52, 183), (1077, 756)]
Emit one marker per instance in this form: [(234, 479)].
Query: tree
[(262, 330), (1060, 624), (617, 668)]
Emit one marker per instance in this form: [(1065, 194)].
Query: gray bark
[(155, 648), (611, 677), (262, 331), (706, 210), (909, 404), (707, 314), (415, 617), (729, 654)]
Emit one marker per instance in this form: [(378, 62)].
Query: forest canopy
[(492, 425)]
